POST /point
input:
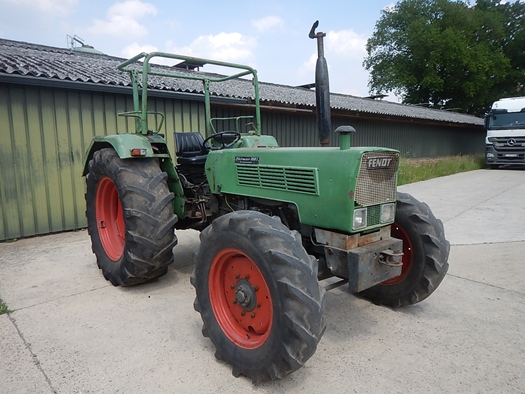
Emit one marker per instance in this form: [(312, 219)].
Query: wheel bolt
[(258, 305), (256, 288), (252, 314), (232, 286), (243, 313), (234, 301), (237, 276), (246, 276)]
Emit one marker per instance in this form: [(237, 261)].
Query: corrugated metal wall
[(44, 134), (410, 138), (417, 140)]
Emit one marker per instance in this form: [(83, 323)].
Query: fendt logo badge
[(375, 163)]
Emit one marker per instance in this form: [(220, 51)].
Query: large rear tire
[(258, 295), (130, 218), (425, 255)]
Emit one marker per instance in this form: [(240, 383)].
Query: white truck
[(505, 140)]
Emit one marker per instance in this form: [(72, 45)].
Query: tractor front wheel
[(425, 255), (258, 295), (130, 218)]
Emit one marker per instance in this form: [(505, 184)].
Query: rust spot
[(351, 194)]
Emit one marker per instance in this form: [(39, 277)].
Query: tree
[(512, 16), (445, 53)]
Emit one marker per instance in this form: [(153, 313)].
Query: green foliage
[(512, 18), (447, 54), (415, 170), (3, 308)]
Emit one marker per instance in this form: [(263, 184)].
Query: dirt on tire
[(144, 208), (296, 323)]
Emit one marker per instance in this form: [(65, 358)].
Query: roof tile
[(57, 63)]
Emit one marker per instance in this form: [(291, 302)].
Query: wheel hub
[(110, 218), (240, 298), (245, 295)]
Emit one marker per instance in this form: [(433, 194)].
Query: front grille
[(508, 144), (293, 179), (376, 184), (373, 215)]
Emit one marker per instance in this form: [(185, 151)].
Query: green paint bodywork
[(123, 144), (321, 182)]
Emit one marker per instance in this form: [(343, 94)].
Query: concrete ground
[(70, 331)]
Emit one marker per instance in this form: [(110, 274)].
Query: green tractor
[(275, 222)]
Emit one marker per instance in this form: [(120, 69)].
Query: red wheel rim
[(399, 233), (240, 298), (110, 219)]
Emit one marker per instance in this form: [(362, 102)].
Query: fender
[(124, 143), (154, 146)]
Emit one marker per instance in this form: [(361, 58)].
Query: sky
[(269, 35)]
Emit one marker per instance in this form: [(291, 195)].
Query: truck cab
[(505, 140)]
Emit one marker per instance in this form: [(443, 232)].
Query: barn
[(54, 100)]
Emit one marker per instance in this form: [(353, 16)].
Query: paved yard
[(72, 332)]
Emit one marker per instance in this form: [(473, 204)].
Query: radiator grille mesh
[(377, 185), (294, 179)]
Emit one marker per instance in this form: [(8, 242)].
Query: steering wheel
[(222, 139)]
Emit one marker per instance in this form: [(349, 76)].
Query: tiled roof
[(40, 61)]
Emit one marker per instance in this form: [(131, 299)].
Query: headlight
[(359, 218), (387, 213)]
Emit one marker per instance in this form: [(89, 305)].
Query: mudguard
[(123, 144)]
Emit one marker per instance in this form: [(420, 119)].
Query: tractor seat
[(189, 148)]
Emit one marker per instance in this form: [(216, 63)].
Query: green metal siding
[(291, 129), (410, 138), (44, 135), (415, 139), (45, 132)]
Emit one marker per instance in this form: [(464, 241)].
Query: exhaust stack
[(322, 89)]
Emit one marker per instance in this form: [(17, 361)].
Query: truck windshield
[(510, 120)]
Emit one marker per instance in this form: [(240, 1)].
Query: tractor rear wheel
[(258, 295), (130, 218), (425, 255)]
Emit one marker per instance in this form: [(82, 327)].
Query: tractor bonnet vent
[(293, 179), (377, 178)]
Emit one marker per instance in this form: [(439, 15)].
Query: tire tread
[(295, 274), (148, 216)]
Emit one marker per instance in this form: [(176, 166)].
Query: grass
[(3, 307), (415, 170)]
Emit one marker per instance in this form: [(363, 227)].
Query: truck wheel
[(258, 295), (424, 260), (130, 218)]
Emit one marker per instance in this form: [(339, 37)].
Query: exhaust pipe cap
[(345, 136)]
